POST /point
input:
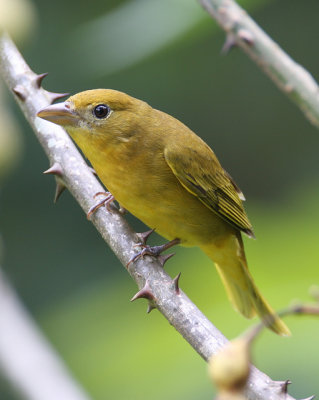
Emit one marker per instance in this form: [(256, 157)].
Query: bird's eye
[(101, 111)]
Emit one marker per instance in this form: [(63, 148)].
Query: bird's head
[(98, 115)]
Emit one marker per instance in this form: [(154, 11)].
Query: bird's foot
[(155, 251), (108, 199)]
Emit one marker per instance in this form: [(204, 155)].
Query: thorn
[(55, 96), (143, 236), (60, 187), (144, 293), (93, 171), (54, 170), (19, 90), (309, 398), (162, 258), (39, 78), (246, 36), (229, 44), (284, 385), (176, 283), (150, 307)]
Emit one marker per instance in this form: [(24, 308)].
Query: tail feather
[(237, 290), (241, 289)]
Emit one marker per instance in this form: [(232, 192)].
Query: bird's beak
[(60, 114)]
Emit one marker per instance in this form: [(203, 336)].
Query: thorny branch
[(294, 80), (71, 171)]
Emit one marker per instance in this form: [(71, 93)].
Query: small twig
[(301, 309), (294, 80), (294, 309), (188, 320)]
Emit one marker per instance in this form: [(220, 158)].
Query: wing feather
[(202, 175)]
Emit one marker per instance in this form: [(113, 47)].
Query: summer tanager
[(164, 174)]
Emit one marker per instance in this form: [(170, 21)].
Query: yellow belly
[(161, 202)]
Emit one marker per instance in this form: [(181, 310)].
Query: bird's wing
[(202, 175)]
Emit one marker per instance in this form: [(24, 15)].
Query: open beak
[(60, 114)]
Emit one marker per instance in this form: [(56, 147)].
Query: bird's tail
[(242, 291)]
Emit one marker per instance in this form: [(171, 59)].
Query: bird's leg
[(155, 251), (108, 199)]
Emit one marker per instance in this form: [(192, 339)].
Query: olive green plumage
[(164, 174)]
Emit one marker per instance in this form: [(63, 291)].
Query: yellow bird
[(165, 175)]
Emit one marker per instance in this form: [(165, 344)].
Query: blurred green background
[(167, 53)]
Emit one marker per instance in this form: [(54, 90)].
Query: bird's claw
[(147, 250), (154, 251), (108, 199)]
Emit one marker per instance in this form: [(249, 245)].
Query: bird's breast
[(144, 184)]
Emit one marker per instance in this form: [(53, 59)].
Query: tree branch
[(159, 288), (27, 360), (294, 80)]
